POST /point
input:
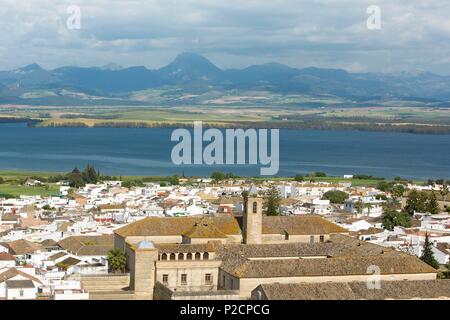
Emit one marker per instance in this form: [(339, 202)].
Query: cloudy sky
[(414, 34)]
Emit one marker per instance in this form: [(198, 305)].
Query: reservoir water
[(142, 151)]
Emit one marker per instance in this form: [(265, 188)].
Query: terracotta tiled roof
[(20, 247), (204, 230), (4, 256), (343, 256), (12, 272), (88, 245), (211, 246), (170, 226), (299, 225), (427, 289)]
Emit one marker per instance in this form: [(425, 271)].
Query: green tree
[(335, 196), (417, 202), (298, 178), (90, 175), (218, 176), (444, 192), (320, 174), (272, 202), (427, 254), (117, 260), (432, 204), (174, 180), (75, 179), (369, 207), (359, 206), (397, 192), (384, 186), (392, 218)]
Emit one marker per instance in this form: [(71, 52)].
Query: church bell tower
[(252, 219)]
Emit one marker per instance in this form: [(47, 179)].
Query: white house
[(372, 207), (19, 284)]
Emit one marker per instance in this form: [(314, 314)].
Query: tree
[(427, 254), (2, 180), (75, 179), (320, 174), (272, 202), (444, 192), (432, 204), (218, 176), (90, 175), (417, 202), (298, 178), (174, 180), (369, 207), (392, 218), (384, 186), (335, 196), (397, 192), (117, 260), (359, 206)]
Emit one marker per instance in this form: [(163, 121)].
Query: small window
[(164, 256), (206, 256), (165, 278), (197, 256), (322, 238), (311, 239), (189, 256), (208, 278), (184, 279), (255, 207), (172, 256)]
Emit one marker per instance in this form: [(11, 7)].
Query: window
[(184, 279), (21, 292), (197, 256), (208, 278), (172, 256), (255, 207), (164, 256), (286, 235), (322, 238), (165, 278), (189, 256), (206, 256), (311, 239)]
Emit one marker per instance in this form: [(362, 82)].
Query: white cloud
[(326, 33)]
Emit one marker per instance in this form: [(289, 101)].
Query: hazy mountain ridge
[(195, 77)]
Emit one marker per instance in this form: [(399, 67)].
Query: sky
[(414, 34)]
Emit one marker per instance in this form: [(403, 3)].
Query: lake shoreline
[(369, 127)]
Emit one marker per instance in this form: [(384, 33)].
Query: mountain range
[(191, 78)]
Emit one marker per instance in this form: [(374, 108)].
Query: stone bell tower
[(252, 219)]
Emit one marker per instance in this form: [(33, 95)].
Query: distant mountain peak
[(112, 67), (189, 66), (30, 68)]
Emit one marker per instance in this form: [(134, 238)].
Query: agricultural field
[(397, 119)]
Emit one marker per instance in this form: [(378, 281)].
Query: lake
[(142, 151)]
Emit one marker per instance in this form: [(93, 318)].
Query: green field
[(377, 118), (18, 190)]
